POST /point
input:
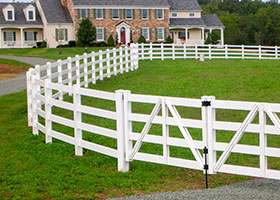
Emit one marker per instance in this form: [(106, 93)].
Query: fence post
[(100, 65), (243, 53), (86, 69), (49, 71), (59, 70), (127, 124), (142, 48), (196, 52), (260, 52), (126, 58), (162, 51), (132, 57), (29, 96), (210, 52), (263, 140), (165, 130), (173, 51), (136, 56), (108, 63), (185, 50), (123, 165), (211, 135), (35, 103), (77, 69), (121, 59), (151, 51), (69, 68), (115, 61), (276, 52), (48, 111), (93, 77), (226, 51), (77, 120)]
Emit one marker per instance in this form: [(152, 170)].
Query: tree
[(168, 40), (86, 33), (141, 39), (110, 41)]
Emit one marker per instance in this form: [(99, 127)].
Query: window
[(115, 14), (182, 35), (174, 14), (160, 34), (145, 13), (10, 36), (29, 36), (10, 15), (159, 13), (146, 33), (83, 13), (31, 15), (99, 14), (61, 34), (100, 34), (128, 14), (191, 14)]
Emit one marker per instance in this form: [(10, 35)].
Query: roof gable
[(188, 5)]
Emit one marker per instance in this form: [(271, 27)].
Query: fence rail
[(59, 86)]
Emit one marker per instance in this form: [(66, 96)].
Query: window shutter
[(15, 39), (124, 13), (120, 13), (150, 34), (149, 13), (156, 14), (79, 13), (104, 14), (56, 34), (25, 36), (104, 30), (141, 16), (141, 32), (94, 13), (133, 13), (5, 36), (156, 31), (87, 13), (66, 35), (164, 36), (111, 13), (35, 36)]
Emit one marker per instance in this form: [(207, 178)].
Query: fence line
[(48, 86)]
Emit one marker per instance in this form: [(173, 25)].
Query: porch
[(20, 37)]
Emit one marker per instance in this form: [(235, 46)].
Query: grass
[(31, 169), (11, 69), (50, 53)]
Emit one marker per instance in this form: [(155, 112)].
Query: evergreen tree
[(86, 33)]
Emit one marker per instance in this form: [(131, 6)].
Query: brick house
[(57, 21)]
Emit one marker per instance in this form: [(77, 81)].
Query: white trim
[(115, 18), (127, 32), (162, 28), (125, 10), (119, 7), (13, 14), (101, 14), (148, 32), (148, 14), (34, 14), (162, 14), (100, 40)]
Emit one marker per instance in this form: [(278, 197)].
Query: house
[(57, 21)]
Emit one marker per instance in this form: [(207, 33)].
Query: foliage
[(72, 43), (42, 44), (168, 40), (141, 39), (110, 41), (26, 162), (247, 21), (212, 38), (86, 33)]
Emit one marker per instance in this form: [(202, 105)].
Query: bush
[(101, 44), (72, 43), (62, 45), (42, 44), (141, 39), (168, 40), (110, 41)]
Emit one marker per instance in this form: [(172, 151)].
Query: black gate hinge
[(205, 150), (206, 167), (206, 103)]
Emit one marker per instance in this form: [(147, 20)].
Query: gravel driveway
[(19, 83)]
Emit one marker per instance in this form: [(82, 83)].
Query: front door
[(123, 36)]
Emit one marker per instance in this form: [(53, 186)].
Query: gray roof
[(212, 20), (163, 3), (190, 5), (205, 20), (55, 12), (20, 18)]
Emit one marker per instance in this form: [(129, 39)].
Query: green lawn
[(30, 169), (13, 63), (49, 52)]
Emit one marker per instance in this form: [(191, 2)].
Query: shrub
[(168, 40), (38, 44), (101, 44), (86, 33), (62, 45), (110, 41), (141, 39), (72, 43), (42, 44)]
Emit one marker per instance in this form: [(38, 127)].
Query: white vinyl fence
[(51, 86)]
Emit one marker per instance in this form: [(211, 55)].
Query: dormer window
[(191, 14), (31, 15), (10, 15)]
